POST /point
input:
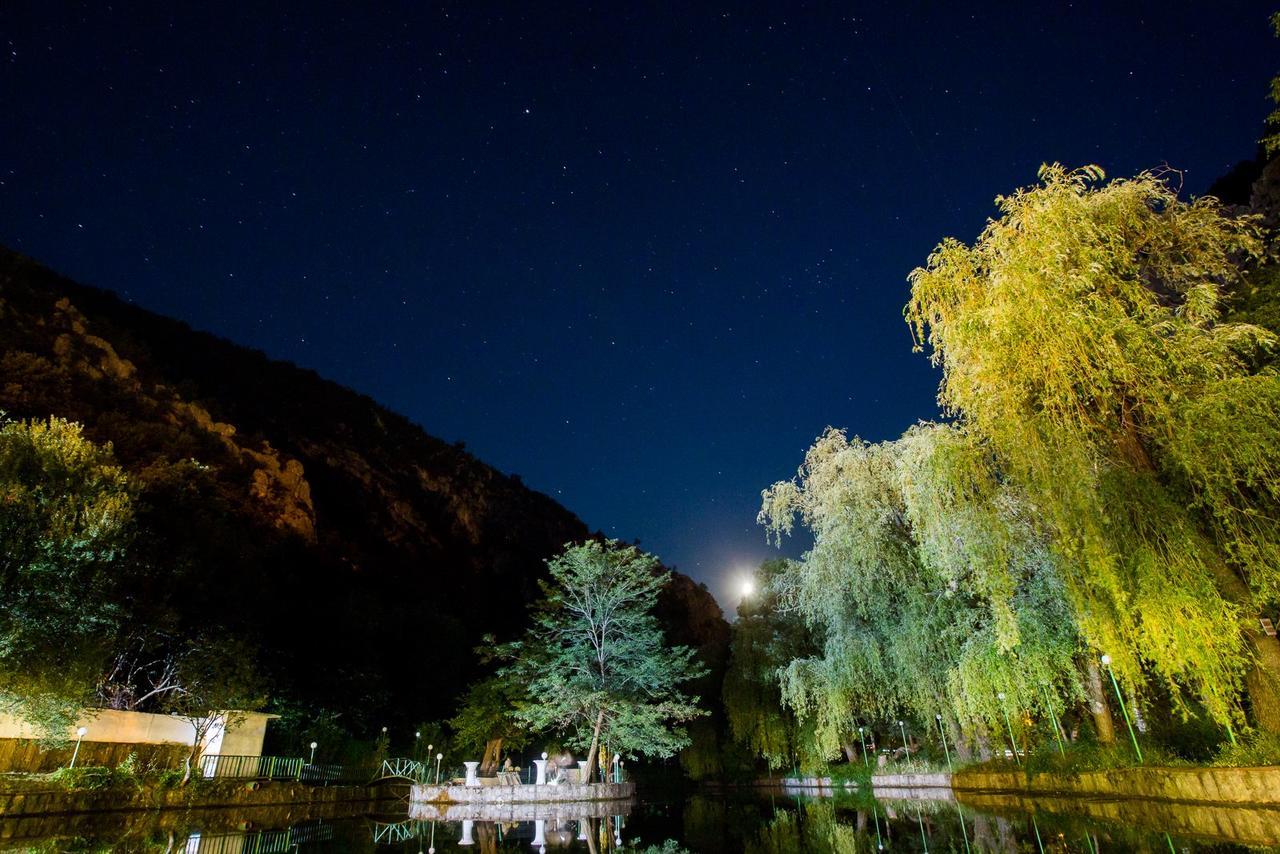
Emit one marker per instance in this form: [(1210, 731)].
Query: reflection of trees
[(814, 827)]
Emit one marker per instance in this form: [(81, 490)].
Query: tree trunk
[(984, 743), (492, 753), (1098, 707), (958, 742), (595, 749), (1262, 680), (850, 752)]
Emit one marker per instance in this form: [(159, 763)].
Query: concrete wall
[(911, 781), (113, 734)]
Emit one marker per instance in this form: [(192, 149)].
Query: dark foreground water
[(756, 821)]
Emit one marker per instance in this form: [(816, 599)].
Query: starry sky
[(639, 254)]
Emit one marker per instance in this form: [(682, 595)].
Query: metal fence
[(230, 767), (251, 767)]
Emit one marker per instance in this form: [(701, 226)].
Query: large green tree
[(1082, 342), (595, 664), (66, 513)]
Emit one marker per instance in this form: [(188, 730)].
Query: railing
[(260, 842), (408, 769), (217, 765)]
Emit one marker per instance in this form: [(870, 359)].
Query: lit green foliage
[(66, 512), (927, 583), (596, 655), (1272, 140), (488, 712), (595, 664), (765, 639), (1082, 343)]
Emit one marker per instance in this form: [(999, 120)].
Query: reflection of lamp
[(80, 733), (466, 832), (539, 829)]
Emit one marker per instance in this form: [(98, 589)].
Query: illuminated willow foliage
[(1081, 340), (927, 585)]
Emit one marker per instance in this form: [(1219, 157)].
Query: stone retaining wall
[(510, 812), (524, 794), (911, 781), (1244, 786), (47, 799), (28, 756)]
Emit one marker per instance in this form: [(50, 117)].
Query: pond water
[(756, 822)]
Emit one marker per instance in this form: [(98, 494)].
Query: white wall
[(109, 725)]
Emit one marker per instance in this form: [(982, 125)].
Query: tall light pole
[(1053, 718), (1012, 741), (1124, 710), (439, 756), (80, 734), (902, 727), (943, 734), (314, 745), (863, 738)]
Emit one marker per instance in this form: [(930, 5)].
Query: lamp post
[(80, 733), (863, 738), (1124, 710), (313, 752), (1053, 718), (1012, 741), (439, 756), (942, 733), (906, 746)]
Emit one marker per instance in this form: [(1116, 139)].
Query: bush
[(1257, 748), (95, 777)]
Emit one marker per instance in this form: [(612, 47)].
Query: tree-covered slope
[(362, 556)]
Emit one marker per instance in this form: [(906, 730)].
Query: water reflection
[(757, 822)]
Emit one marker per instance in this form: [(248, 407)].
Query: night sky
[(639, 258)]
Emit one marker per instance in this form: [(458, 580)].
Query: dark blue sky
[(640, 258)]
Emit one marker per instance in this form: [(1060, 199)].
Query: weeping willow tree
[(1082, 342), (928, 587)]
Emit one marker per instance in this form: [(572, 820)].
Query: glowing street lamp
[(902, 727), (314, 745), (80, 733), (439, 756), (1124, 710)]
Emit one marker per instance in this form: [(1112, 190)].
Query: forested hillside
[(362, 558)]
